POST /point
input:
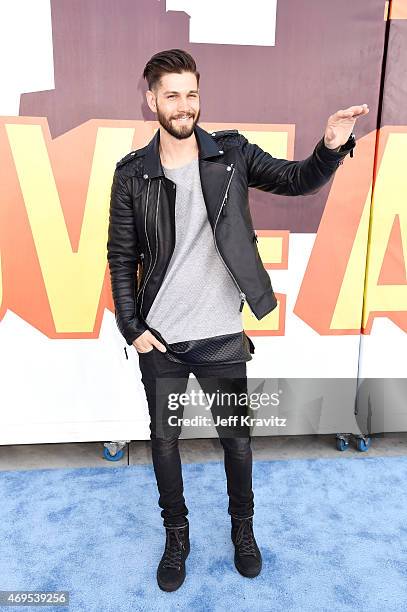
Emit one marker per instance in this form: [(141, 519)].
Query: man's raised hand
[(340, 125)]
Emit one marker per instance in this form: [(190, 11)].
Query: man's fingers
[(145, 348), (159, 345), (353, 111), (345, 114), (148, 343)]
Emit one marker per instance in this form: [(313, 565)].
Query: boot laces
[(245, 537), (173, 548)]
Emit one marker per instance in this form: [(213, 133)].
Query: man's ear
[(150, 97)]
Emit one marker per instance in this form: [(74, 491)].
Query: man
[(179, 214)]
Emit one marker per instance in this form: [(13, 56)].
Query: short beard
[(183, 132)]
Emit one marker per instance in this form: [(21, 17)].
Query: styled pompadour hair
[(165, 62)]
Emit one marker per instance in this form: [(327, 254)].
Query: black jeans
[(160, 376)]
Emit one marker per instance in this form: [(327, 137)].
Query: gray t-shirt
[(198, 298)]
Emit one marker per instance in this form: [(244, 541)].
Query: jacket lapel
[(214, 175)]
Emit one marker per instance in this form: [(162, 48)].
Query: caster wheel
[(116, 457), (363, 444), (342, 444)]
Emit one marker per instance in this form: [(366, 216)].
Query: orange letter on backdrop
[(331, 297), (55, 212)]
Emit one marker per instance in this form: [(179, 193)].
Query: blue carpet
[(333, 534)]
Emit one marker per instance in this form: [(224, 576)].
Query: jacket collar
[(207, 145)]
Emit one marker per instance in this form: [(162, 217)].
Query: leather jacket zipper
[(148, 242), (125, 346), (222, 208), (224, 213), (150, 271), (225, 197)]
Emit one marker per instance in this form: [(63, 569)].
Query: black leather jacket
[(141, 234)]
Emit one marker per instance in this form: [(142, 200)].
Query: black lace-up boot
[(171, 569), (247, 554)]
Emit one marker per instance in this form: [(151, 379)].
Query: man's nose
[(183, 107)]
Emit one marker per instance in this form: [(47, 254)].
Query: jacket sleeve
[(290, 178), (123, 257)]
